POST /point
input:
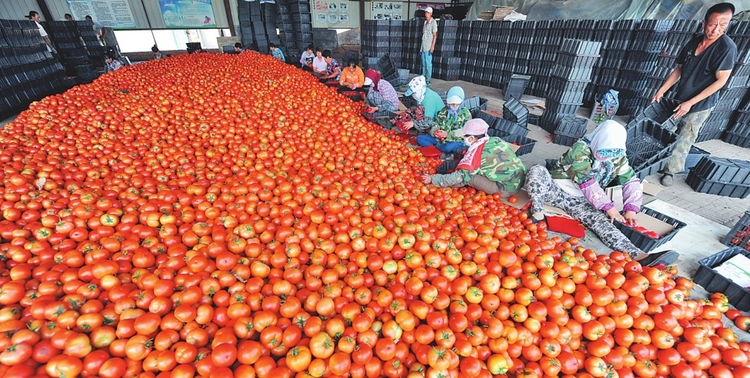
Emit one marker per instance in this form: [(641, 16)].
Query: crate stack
[(375, 43), (597, 31), (501, 36), (731, 96), (634, 84), (302, 25), (396, 39), (567, 87), (251, 24), (91, 41), (739, 133), (720, 176), (73, 53), (412, 40), (618, 36), (285, 26), (28, 72), (445, 65)]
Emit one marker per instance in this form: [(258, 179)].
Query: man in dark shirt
[(703, 67)]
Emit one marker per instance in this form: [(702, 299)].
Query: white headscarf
[(608, 140), (418, 87)]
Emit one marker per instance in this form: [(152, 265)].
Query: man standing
[(703, 67), (429, 38), (34, 16)]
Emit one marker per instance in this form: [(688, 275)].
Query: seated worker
[(448, 120), (381, 96), (112, 63), (352, 78), (429, 104), (157, 53), (319, 64), (306, 60), (276, 52), (238, 48), (489, 165), (333, 68), (575, 184)]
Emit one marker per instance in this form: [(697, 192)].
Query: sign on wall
[(115, 14), (386, 10), (333, 14), (187, 13)]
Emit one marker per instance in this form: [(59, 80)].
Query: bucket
[(403, 76)]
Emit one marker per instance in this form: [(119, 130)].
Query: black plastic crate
[(564, 140), (475, 102), (515, 111), (572, 73), (739, 235), (694, 156), (571, 126), (566, 91), (526, 144), (580, 47), (741, 140), (510, 127), (702, 185), (516, 86), (555, 107), (379, 114), (648, 142), (572, 60), (713, 282), (650, 169), (646, 243), (732, 171)]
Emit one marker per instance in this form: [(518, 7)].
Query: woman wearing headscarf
[(575, 183), (448, 120), (381, 95), (429, 104), (489, 165)]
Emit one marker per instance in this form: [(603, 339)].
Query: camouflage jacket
[(578, 165), (499, 164), (449, 123)]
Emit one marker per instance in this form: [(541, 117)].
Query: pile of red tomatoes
[(226, 215)]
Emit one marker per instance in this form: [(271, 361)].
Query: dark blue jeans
[(425, 140)]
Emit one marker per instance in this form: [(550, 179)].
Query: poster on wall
[(187, 13), (115, 14), (332, 14), (386, 10)]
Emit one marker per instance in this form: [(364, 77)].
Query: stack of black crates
[(67, 37), (28, 72), (258, 25), (445, 65), (719, 176), (375, 40), (646, 45), (732, 95), (567, 87)]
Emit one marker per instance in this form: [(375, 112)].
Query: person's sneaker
[(667, 179)]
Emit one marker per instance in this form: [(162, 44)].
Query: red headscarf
[(374, 76)]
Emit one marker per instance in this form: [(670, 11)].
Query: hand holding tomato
[(427, 179), (408, 125), (441, 134)]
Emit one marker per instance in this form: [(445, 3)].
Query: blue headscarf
[(455, 94)]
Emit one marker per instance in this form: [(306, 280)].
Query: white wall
[(17, 9)]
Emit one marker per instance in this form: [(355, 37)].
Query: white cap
[(368, 81), (428, 10)]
